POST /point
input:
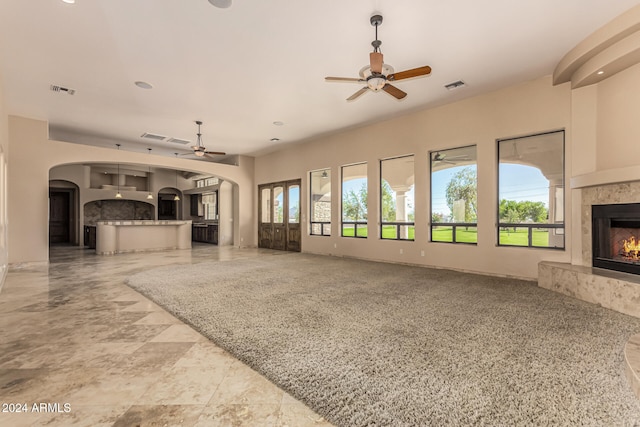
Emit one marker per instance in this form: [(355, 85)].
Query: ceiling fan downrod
[(375, 21)]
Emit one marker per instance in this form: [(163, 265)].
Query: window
[(320, 191), (454, 195), (266, 205), (210, 205), (531, 191), (278, 204), (293, 199), (206, 182), (397, 198), (354, 200)]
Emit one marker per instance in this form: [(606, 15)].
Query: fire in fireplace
[(616, 237)]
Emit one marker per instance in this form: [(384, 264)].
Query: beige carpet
[(372, 344)]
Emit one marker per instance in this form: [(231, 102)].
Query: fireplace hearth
[(616, 237)]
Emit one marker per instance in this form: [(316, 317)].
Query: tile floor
[(80, 348)]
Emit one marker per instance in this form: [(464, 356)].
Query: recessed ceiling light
[(601, 72), (278, 123), (275, 139), (222, 4), (143, 85), (69, 1)]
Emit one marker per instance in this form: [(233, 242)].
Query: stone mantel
[(605, 177)]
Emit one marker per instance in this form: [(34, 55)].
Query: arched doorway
[(169, 204), (63, 213)]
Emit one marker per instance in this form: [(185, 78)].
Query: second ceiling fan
[(199, 149), (377, 74)]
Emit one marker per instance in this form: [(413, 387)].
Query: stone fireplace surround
[(609, 289)]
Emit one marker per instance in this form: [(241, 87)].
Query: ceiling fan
[(443, 158), (377, 74), (199, 150)]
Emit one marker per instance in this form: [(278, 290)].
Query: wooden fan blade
[(394, 91), (343, 79), (216, 153), (375, 59), (358, 93), (415, 72)]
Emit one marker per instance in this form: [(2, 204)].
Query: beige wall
[(4, 155), (618, 122), (607, 129), (33, 155), (528, 108)]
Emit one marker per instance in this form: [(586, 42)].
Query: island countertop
[(144, 222), (120, 236)]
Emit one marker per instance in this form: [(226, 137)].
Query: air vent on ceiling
[(178, 141), (56, 88), (153, 136), (455, 85)]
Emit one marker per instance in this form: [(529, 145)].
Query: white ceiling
[(241, 69)]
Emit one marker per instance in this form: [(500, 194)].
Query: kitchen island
[(114, 237)]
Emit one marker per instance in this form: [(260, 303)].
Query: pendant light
[(118, 195), (149, 196), (177, 197)]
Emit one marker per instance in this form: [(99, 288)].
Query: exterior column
[(401, 212)]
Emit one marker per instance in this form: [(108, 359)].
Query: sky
[(517, 182)]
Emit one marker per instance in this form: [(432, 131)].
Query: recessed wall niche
[(108, 178)]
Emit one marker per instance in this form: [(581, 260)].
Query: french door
[(279, 216)]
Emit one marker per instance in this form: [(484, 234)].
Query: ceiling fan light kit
[(222, 4), (377, 74), (199, 149)]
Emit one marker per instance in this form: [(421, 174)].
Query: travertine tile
[(160, 415), (244, 386), (72, 332), (178, 333), (158, 318), (240, 415), (186, 386)]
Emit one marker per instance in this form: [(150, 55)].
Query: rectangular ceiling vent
[(455, 85), (178, 141), (61, 89), (153, 136)]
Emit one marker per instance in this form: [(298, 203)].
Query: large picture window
[(354, 200), (397, 198), (454, 195), (320, 191), (531, 191)]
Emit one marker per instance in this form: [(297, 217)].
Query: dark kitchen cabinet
[(206, 233), (195, 205)]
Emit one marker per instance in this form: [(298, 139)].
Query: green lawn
[(388, 231), (520, 237), (463, 235), (540, 238)]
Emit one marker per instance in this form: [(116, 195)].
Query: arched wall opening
[(148, 192)]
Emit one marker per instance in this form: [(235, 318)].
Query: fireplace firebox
[(616, 237)]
